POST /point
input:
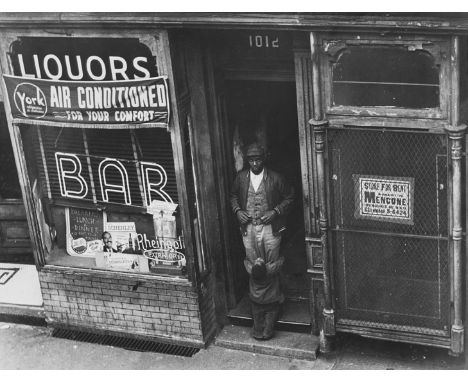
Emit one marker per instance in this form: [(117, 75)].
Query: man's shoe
[(270, 320), (258, 324), (256, 335)]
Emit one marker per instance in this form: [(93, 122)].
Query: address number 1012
[(263, 41)]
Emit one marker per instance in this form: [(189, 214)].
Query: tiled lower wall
[(116, 302)]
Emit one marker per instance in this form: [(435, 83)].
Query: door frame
[(455, 131), (300, 75)]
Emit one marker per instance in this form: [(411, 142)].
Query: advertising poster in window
[(384, 198), (123, 234), (167, 249), (84, 230)]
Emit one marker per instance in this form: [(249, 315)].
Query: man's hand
[(243, 216), (268, 217), (259, 261)]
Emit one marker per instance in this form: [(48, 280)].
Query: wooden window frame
[(439, 48), (158, 42)]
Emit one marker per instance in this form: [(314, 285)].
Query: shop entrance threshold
[(283, 344), (295, 315), (292, 337)]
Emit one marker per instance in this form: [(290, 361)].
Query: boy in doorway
[(260, 199)]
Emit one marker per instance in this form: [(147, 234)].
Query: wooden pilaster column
[(319, 124), (328, 323), (456, 134)]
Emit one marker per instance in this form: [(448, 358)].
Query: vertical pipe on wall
[(319, 124), (455, 81), (319, 129), (456, 134), (318, 115)]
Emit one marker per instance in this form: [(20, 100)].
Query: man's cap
[(255, 150)]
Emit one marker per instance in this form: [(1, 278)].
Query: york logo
[(30, 100)]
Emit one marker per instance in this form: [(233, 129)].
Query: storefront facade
[(96, 175), (144, 129)]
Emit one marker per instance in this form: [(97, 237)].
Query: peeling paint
[(414, 47)]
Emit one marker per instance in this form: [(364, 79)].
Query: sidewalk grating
[(125, 342)]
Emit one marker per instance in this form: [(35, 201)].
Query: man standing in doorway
[(260, 199)]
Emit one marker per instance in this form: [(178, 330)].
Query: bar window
[(108, 196), (9, 185), (388, 76)]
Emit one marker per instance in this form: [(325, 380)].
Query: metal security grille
[(388, 192)]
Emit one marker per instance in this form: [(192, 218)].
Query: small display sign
[(384, 198), (84, 231), (122, 261), (123, 235)]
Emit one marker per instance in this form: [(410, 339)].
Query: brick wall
[(165, 309)]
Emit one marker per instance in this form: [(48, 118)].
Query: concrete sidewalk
[(33, 347)]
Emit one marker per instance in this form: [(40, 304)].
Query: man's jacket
[(280, 196)]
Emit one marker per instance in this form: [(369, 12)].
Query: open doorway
[(266, 112)]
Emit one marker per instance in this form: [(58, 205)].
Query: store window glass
[(108, 198), (9, 184), (385, 76)]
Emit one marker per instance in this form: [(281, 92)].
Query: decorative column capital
[(318, 126), (455, 132), (319, 134)]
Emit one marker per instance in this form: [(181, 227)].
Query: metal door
[(389, 230)]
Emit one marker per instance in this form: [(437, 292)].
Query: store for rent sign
[(384, 198), (86, 81)]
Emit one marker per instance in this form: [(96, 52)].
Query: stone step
[(283, 344), (295, 315)]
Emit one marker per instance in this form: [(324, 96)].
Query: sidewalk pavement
[(33, 347)]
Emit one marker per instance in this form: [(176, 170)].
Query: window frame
[(158, 42), (332, 45)]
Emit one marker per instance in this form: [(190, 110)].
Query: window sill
[(113, 274), (387, 112), (396, 123)]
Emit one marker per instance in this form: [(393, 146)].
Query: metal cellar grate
[(125, 342)]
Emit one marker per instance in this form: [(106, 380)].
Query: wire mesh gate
[(389, 229)]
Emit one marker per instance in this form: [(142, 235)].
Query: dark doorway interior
[(266, 112)]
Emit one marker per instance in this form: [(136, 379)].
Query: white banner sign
[(384, 198)]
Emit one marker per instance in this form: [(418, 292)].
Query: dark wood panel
[(409, 21), (15, 243), (12, 211)]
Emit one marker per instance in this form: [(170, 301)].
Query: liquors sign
[(82, 59), (384, 198), (86, 81)]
